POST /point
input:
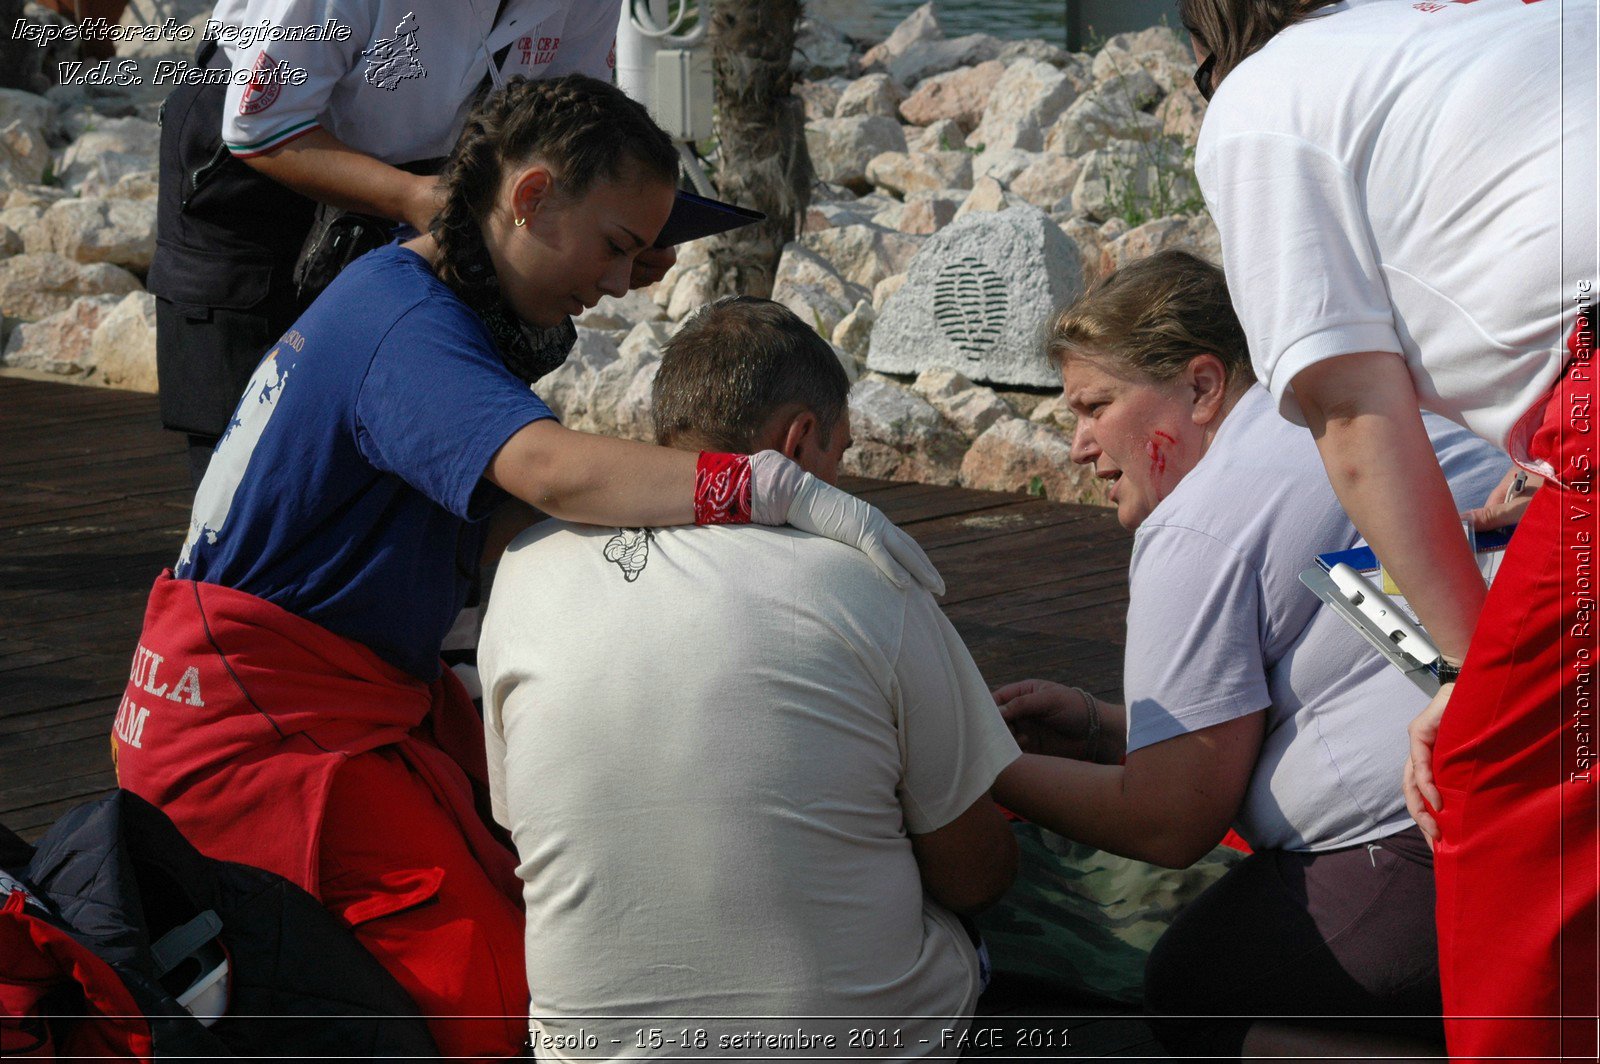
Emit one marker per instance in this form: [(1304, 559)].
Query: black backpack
[(121, 880)]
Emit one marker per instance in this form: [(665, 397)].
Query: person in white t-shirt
[(1407, 203), (1248, 704), (747, 777)]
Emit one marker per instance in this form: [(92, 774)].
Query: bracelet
[(1093, 738), (1446, 671), (722, 489)]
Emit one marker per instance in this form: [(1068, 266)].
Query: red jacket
[(237, 715)]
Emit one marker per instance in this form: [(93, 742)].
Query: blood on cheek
[(1155, 449)]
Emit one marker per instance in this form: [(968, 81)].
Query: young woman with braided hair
[(287, 707)]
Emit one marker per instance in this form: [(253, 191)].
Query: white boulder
[(841, 148), (871, 94), (905, 173), (977, 298), (121, 232), (1029, 96)]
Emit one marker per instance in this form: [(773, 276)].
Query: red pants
[(1515, 763), (395, 867)]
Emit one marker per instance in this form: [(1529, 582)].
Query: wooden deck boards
[(93, 505)]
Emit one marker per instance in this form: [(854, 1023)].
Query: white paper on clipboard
[(1382, 638)]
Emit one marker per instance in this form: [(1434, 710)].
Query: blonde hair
[(1154, 315)]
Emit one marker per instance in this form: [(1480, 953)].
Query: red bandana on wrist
[(722, 489)]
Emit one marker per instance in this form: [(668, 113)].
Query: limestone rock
[(24, 154), (905, 172), (1054, 412), (21, 218), (1037, 50), (1150, 177), (93, 163), (977, 297), (923, 446), (959, 96), (974, 410), (1018, 455), (620, 313), (691, 292), (863, 254), (1085, 235), (632, 419), (1003, 164), (1029, 96), (938, 384), (820, 98), (644, 342), (1112, 110), (25, 121), (59, 343), (612, 394), (1196, 234), (40, 196), (10, 241), (123, 350), (987, 195), (928, 212), (1142, 50), (1181, 114), (32, 110), (927, 58), (569, 389), (820, 49), (1048, 181), (852, 334), (971, 408), (942, 134), (808, 285), (35, 286), (841, 148), (121, 232), (871, 94), (921, 25), (821, 216), (886, 288)]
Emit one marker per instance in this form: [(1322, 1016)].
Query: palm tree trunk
[(761, 139)]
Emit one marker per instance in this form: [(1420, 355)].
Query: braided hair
[(582, 128)]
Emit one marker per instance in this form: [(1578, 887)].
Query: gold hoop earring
[(520, 222)]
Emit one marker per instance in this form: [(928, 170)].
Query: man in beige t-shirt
[(747, 776)]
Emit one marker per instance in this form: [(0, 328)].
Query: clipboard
[(1381, 636)]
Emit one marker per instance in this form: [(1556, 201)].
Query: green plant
[(1036, 486), (1160, 181)]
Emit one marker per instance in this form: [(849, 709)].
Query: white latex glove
[(783, 493)]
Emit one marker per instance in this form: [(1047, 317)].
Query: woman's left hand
[(1422, 795), (650, 265)]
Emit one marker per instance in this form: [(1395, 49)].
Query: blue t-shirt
[(348, 488)]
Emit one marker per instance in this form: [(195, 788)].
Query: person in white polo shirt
[(747, 778), (347, 105), (1406, 198)]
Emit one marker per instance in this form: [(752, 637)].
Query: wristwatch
[(1447, 672)]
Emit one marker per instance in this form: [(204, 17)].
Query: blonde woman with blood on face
[(1406, 198), (1249, 705), (311, 730)]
